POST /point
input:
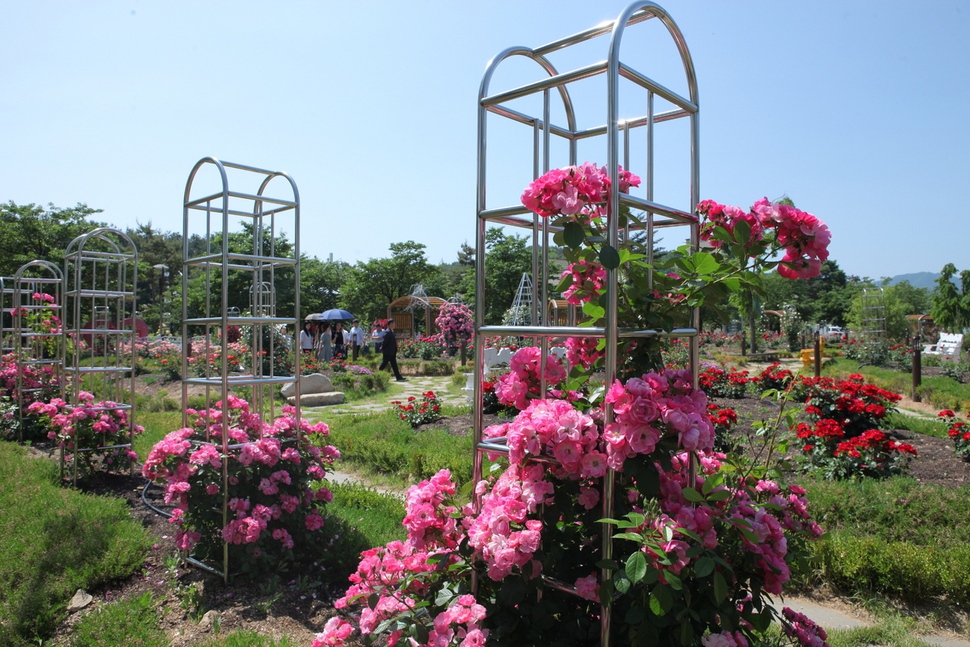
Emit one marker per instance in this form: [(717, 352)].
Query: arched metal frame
[(101, 275), (213, 217), (35, 348), (7, 292), (542, 130)]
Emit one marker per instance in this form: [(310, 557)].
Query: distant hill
[(917, 280)]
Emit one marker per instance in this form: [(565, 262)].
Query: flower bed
[(271, 479)]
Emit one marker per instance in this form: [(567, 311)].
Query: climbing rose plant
[(700, 541)]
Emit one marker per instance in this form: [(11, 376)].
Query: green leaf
[(632, 536), (609, 257), (420, 633), (372, 600), (704, 566), (573, 234), (720, 588), (636, 567), (719, 495), (693, 495), (594, 310), (664, 598), (621, 583), (705, 263)]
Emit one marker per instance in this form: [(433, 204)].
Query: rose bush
[(417, 413), (272, 479), (700, 541), (842, 439), (959, 432), (96, 434)]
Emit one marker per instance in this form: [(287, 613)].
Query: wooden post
[(818, 355), (917, 368)]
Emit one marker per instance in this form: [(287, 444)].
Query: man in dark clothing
[(389, 350)]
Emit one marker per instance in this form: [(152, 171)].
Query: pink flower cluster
[(587, 279), (650, 406), (803, 629), (522, 382), (502, 535), (456, 322), (725, 639), (574, 190), (583, 351), (554, 428), (804, 237), (392, 572), (96, 428), (270, 474)]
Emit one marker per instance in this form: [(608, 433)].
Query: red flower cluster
[(418, 413), (959, 431), (718, 383)]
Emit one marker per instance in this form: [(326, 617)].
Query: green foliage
[(133, 623), (507, 258), (370, 286), (894, 537), (951, 307), (376, 515), (29, 232), (55, 542), (387, 445)]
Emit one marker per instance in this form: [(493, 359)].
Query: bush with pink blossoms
[(41, 383), (456, 322), (274, 475), (98, 435)]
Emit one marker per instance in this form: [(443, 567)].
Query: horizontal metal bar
[(593, 32), (236, 380), (97, 369), (271, 261), (241, 321), (194, 204), (633, 122), (658, 89), (542, 331), (655, 207), (98, 294), (544, 84), (521, 117)]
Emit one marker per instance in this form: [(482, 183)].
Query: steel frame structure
[(616, 131), (213, 216), (32, 347), (101, 277)]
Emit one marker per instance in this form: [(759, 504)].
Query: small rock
[(80, 600), (210, 619)]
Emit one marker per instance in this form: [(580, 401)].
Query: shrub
[(417, 413), (718, 383), (959, 432), (773, 377), (95, 434), (270, 470)]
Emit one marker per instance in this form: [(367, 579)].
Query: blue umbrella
[(336, 314)]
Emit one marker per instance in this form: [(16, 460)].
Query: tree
[(949, 307), (507, 258), (321, 284), (29, 233), (371, 286)]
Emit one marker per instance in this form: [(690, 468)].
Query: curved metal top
[(45, 265), (222, 166), (104, 234)]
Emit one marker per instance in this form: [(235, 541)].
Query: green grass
[(889, 633), (384, 443), (897, 538), (926, 426), (157, 424), (55, 541), (133, 623)]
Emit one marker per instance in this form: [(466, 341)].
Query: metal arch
[(260, 265), (52, 276), (512, 215), (112, 287)]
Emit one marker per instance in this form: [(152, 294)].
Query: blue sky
[(856, 110)]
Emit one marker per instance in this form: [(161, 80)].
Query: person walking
[(389, 350), (325, 346), (339, 341), (356, 338)]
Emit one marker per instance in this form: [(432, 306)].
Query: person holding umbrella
[(339, 340), (389, 350)]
